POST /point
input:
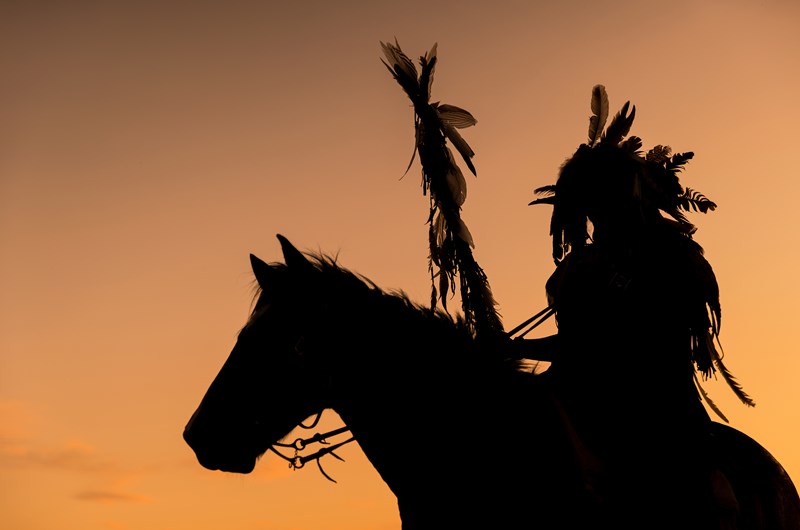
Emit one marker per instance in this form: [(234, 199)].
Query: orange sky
[(146, 150)]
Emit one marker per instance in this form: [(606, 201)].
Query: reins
[(542, 315)]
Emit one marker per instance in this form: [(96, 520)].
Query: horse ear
[(294, 258), (261, 270)]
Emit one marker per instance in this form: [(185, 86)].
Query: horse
[(460, 433)]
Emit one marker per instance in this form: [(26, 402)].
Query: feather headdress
[(610, 182), (610, 168)]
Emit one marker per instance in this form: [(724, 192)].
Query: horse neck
[(443, 443), (417, 394)]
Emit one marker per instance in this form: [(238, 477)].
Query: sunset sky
[(146, 148)]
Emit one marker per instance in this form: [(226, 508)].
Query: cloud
[(107, 480), (22, 449), (81, 460), (73, 455)]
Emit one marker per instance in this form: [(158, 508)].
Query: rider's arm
[(542, 349)]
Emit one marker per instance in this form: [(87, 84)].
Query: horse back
[(766, 496)]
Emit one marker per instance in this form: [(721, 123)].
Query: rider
[(637, 308)]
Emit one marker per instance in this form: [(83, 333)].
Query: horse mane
[(393, 308)]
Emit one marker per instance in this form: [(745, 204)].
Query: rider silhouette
[(637, 308)]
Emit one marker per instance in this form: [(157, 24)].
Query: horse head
[(267, 386)]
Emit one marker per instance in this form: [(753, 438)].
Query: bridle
[(298, 461)]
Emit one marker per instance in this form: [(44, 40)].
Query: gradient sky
[(147, 147)]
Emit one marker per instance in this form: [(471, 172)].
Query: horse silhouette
[(462, 436)]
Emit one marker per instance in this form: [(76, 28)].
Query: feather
[(705, 278), (457, 185), (678, 161), (428, 62), (692, 200), (426, 77), (433, 246), (632, 144), (464, 234), (398, 59), (461, 145), (620, 126), (402, 69), (455, 116), (549, 195), (707, 399), (728, 376), (701, 356), (659, 154), (444, 286), (599, 116), (716, 319), (548, 190), (414, 152), (488, 296), (440, 229)]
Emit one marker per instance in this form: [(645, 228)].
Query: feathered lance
[(450, 241)]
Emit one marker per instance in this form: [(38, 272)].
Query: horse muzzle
[(216, 455)]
